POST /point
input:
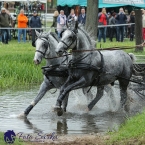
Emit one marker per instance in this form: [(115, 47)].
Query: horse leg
[(65, 102), (123, 93), (80, 83), (45, 86), (99, 94)]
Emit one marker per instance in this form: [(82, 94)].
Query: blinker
[(33, 44)]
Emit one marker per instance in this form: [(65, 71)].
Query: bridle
[(74, 38), (46, 43)]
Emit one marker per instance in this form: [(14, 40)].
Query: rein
[(110, 48)]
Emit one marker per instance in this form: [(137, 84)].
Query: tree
[(92, 18), (138, 29)]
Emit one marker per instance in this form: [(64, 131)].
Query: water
[(75, 121)]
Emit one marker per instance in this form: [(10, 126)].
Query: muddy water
[(75, 121)]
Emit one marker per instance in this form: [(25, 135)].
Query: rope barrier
[(99, 26), (112, 48)]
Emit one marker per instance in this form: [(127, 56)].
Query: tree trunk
[(91, 25), (138, 29)]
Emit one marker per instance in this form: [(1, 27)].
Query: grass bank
[(16, 65), (132, 132)]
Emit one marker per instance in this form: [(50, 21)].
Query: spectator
[(82, 17), (112, 22), (132, 27), (108, 28), (10, 25), (121, 19), (72, 18), (55, 20), (4, 22), (61, 22), (126, 28), (22, 24), (35, 22), (103, 19), (143, 25)]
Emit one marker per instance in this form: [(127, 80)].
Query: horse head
[(68, 40), (42, 46)]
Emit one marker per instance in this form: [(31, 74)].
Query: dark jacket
[(82, 19), (121, 19), (35, 22), (4, 20), (132, 19), (54, 21)]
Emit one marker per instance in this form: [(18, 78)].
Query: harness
[(55, 70), (52, 70), (46, 43), (79, 65)]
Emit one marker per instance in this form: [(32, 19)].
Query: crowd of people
[(110, 23), (60, 20), (116, 25), (6, 21)]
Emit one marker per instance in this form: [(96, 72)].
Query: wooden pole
[(138, 29)]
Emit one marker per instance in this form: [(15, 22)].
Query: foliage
[(133, 129)]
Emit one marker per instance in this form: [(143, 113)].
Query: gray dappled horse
[(45, 48), (89, 67)]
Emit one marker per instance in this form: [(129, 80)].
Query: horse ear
[(37, 33)]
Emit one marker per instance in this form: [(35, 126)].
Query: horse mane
[(54, 35), (88, 35), (45, 35), (85, 34)]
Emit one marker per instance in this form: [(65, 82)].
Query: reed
[(16, 66)]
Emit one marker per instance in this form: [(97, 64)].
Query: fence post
[(138, 29)]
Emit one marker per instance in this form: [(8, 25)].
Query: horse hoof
[(58, 110), (126, 108), (22, 115)]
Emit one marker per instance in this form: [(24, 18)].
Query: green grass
[(16, 65), (132, 129)]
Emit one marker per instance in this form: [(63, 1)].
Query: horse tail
[(132, 56)]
